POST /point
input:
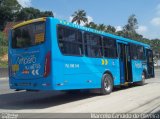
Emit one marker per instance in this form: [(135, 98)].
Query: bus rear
[(30, 56)]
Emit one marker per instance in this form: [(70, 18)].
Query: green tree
[(3, 40), (3, 44), (8, 11), (79, 17), (110, 29), (129, 30), (120, 33), (91, 25), (132, 24), (32, 13), (155, 43), (101, 27), (47, 14), (28, 13)]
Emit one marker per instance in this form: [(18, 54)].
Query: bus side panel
[(82, 72), (137, 69)]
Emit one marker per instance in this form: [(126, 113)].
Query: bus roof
[(29, 22)]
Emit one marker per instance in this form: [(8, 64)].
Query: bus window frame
[(68, 27), (34, 39), (115, 48), (85, 44), (144, 56)]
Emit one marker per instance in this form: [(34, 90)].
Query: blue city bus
[(52, 54)]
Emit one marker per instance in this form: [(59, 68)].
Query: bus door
[(150, 63), (125, 65)]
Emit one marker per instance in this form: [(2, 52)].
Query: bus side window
[(133, 51), (140, 52), (93, 45), (109, 47), (137, 52), (70, 41)]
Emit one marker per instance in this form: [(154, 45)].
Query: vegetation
[(3, 44), (31, 13), (91, 25), (3, 50), (8, 11), (79, 17), (11, 10)]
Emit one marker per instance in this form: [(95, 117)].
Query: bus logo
[(26, 60)]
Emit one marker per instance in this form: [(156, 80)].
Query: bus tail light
[(47, 64)]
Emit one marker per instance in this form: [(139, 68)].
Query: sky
[(108, 12)]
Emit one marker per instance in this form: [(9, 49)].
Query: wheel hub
[(107, 85)]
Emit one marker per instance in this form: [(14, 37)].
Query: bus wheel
[(107, 84), (142, 82)]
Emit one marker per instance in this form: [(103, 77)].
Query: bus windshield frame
[(28, 35)]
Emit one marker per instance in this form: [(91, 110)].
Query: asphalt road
[(136, 99)]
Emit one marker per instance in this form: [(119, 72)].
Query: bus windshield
[(28, 35)]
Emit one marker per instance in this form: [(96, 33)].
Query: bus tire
[(142, 82), (107, 84)]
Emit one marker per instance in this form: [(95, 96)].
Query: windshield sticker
[(39, 37)]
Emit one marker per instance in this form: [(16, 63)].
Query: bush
[(3, 40), (3, 44), (3, 50)]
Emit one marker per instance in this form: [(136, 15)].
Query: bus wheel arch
[(108, 72), (107, 83)]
